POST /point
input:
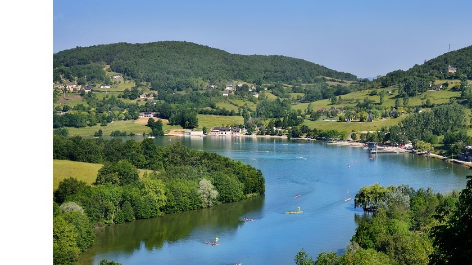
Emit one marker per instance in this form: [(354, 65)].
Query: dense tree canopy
[(178, 65)]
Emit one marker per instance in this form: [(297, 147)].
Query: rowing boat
[(293, 212), (212, 243)]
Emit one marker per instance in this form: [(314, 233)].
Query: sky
[(364, 37)]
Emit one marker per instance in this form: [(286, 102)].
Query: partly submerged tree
[(369, 197)]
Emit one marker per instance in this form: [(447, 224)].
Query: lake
[(323, 175)]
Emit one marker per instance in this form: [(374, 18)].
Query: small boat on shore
[(151, 137), (348, 199), (248, 219)]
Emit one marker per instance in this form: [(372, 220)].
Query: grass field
[(227, 105), (87, 172), (122, 126), (241, 102), (210, 121), (353, 126)]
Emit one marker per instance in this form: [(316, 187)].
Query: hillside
[(434, 69), (178, 65)]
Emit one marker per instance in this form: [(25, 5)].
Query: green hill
[(434, 69), (178, 65)]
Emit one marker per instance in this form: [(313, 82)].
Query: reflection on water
[(153, 233)]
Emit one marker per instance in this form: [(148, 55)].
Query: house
[(240, 84), (153, 101), (226, 93), (105, 86), (143, 96), (321, 109), (116, 76), (87, 88), (211, 86), (235, 131), (450, 69), (229, 86), (255, 94), (437, 87), (147, 114), (71, 86), (222, 131)]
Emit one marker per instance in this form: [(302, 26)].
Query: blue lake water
[(323, 175)]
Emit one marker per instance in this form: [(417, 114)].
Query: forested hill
[(435, 69), (177, 64)]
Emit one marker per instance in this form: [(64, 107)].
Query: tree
[(120, 173), (156, 127), (423, 146), (370, 196), (71, 207), (229, 188), (382, 97), (66, 187), (99, 133), (302, 258), (453, 237), (108, 262), (83, 227), (128, 212), (65, 249), (207, 192), (354, 136)]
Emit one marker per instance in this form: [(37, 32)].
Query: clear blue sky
[(363, 37)]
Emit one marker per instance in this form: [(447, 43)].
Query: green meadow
[(87, 172)]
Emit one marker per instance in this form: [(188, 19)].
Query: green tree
[(423, 146), (369, 197), (153, 195), (108, 262), (128, 212), (382, 97), (229, 189), (120, 173), (65, 249), (83, 227), (302, 258), (208, 193), (68, 186), (453, 237)]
